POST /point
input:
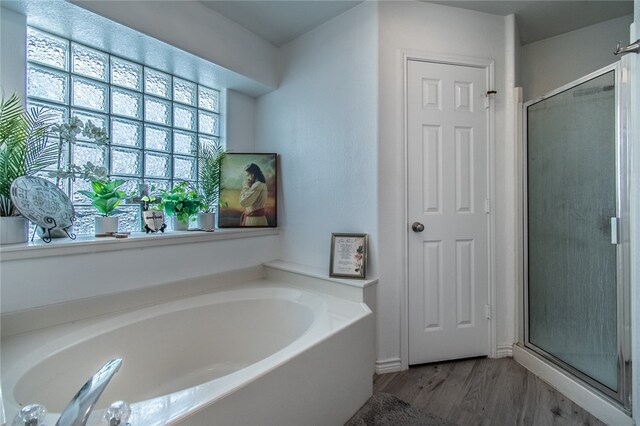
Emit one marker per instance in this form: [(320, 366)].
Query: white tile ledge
[(314, 272), (89, 244)]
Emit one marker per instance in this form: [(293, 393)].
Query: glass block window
[(155, 121)]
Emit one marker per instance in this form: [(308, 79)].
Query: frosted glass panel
[(126, 102), (126, 132), (90, 94), (208, 99), (571, 184), (184, 91), (89, 62), (157, 110), (154, 120), (184, 168), (157, 83), (126, 161), (47, 49), (129, 218), (157, 165), (184, 143), (126, 74), (158, 138), (83, 152), (184, 117), (47, 84), (208, 123)]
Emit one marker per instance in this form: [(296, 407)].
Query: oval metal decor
[(42, 202)]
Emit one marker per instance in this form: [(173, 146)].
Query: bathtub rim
[(62, 337)]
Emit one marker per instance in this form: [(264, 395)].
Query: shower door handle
[(615, 230)]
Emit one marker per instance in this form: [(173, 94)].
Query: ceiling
[(279, 22)]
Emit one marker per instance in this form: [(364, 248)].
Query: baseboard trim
[(504, 351), (573, 389), (389, 365)]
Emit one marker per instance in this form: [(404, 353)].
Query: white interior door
[(447, 184)]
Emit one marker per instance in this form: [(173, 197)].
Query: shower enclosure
[(576, 242)]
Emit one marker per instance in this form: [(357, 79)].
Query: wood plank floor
[(483, 391)]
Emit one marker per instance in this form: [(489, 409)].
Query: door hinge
[(487, 98), (487, 311), (487, 205)]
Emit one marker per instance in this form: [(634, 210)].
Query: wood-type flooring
[(483, 391)]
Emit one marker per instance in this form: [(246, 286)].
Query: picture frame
[(348, 255), (248, 191)]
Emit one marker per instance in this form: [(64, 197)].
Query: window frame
[(84, 210)]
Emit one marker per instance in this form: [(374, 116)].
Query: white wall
[(13, 52), (39, 282), (322, 120), (240, 128), (446, 31), (196, 29), (550, 63)]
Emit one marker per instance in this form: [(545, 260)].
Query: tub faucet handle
[(30, 415), (77, 412), (117, 414)]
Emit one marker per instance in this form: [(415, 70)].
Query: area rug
[(384, 409)]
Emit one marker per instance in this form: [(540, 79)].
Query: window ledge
[(89, 244)]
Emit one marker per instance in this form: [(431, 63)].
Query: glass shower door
[(571, 197)]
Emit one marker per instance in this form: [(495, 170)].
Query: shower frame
[(621, 397)]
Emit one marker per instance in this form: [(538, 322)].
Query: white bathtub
[(260, 353)]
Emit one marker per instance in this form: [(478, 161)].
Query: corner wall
[(13, 52), (322, 120)]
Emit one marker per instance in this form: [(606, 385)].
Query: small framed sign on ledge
[(348, 255)]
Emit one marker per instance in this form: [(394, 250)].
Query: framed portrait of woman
[(248, 191)]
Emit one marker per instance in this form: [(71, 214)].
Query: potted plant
[(180, 202), (25, 149), (210, 160), (105, 197)]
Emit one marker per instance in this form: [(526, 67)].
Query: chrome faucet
[(76, 413)]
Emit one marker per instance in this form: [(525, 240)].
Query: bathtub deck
[(483, 391)]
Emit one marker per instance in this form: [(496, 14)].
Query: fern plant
[(210, 161), (25, 146)]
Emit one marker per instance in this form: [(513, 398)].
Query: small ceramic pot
[(178, 225), (206, 221), (106, 224), (13, 230)]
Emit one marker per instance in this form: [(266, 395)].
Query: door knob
[(417, 227)]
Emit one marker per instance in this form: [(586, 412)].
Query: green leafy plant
[(25, 148), (210, 161), (105, 195), (182, 201)]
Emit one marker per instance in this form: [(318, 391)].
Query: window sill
[(88, 244)]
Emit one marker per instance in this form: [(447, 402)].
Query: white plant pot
[(179, 225), (106, 224), (206, 221), (13, 230)]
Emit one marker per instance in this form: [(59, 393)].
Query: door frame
[(488, 65), (623, 266)]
